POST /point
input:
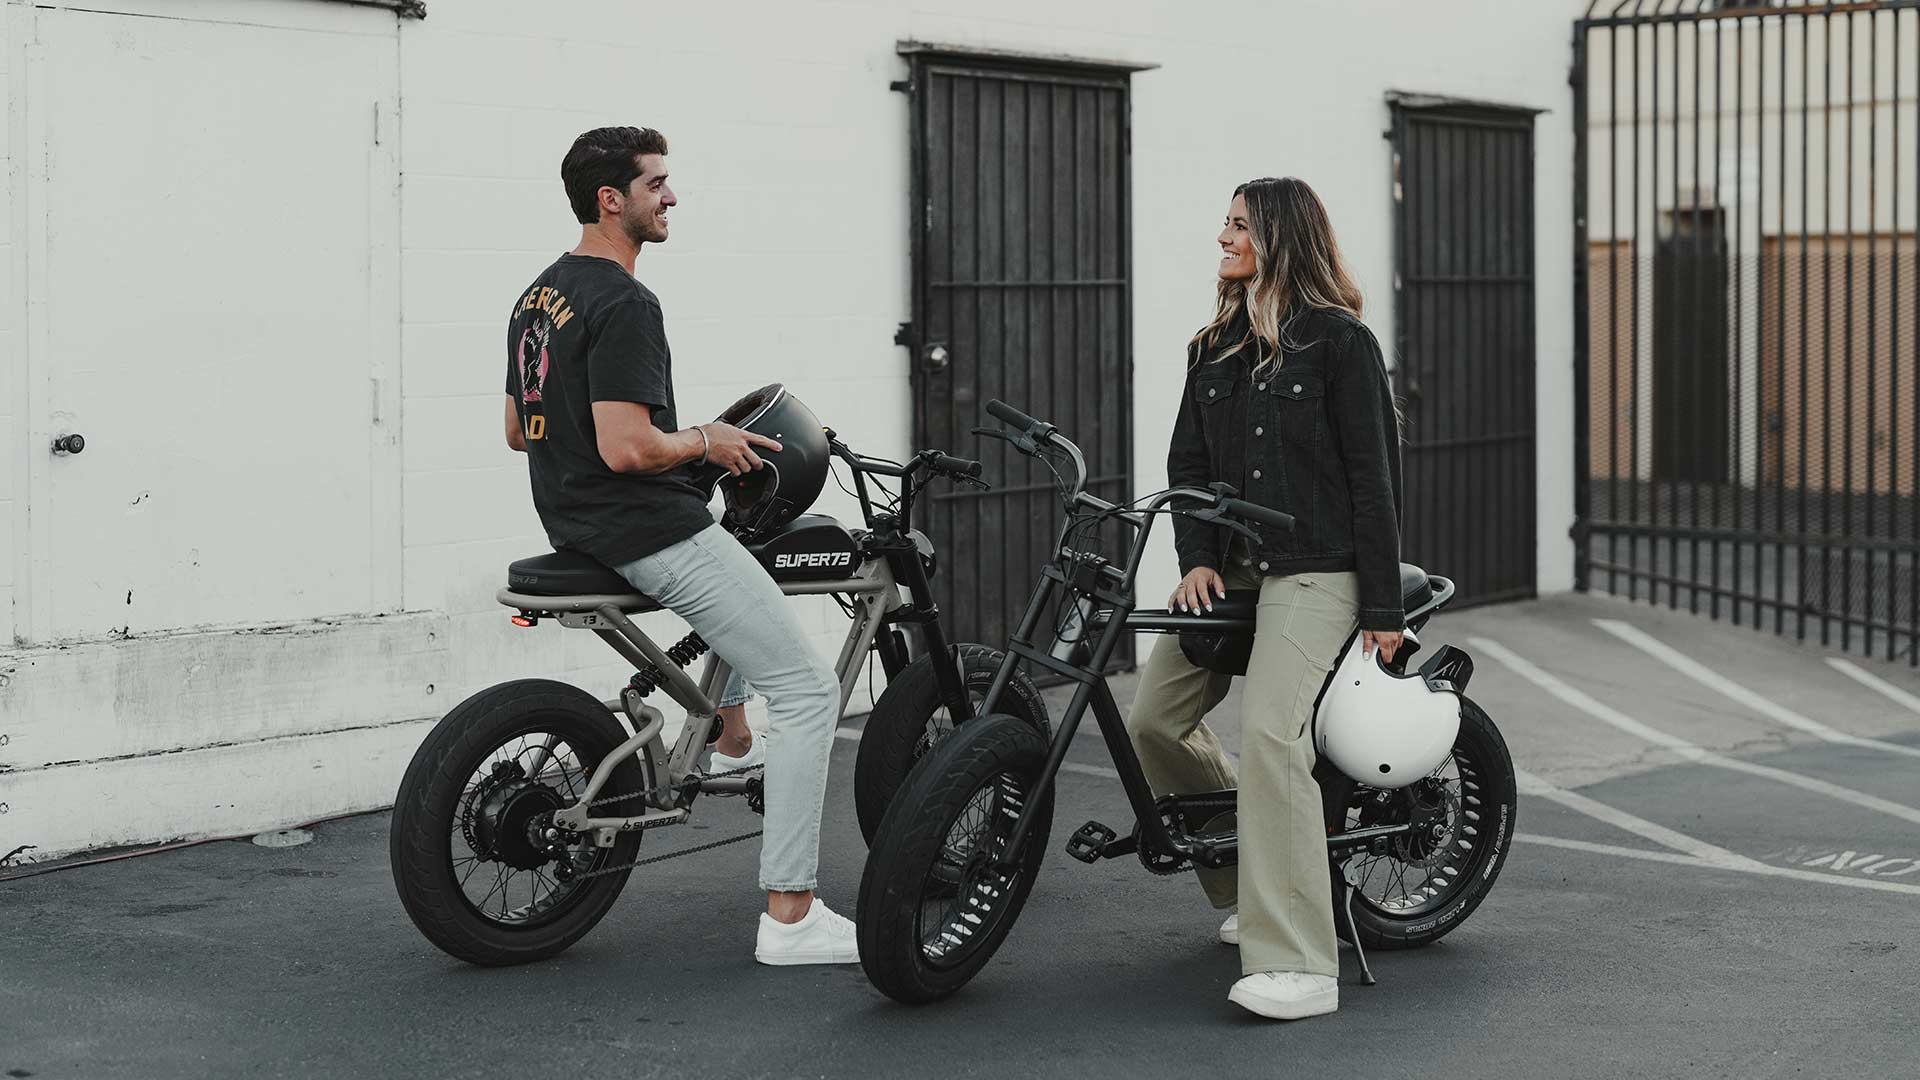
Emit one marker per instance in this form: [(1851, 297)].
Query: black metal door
[(1020, 292), (1690, 353), (1463, 200)]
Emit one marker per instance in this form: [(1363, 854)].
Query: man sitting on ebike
[(590, 401)]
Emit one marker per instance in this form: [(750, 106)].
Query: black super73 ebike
[(958, 849)]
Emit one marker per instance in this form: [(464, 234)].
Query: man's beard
[(642, 229)]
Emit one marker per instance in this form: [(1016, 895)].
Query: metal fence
[(1747, 373)]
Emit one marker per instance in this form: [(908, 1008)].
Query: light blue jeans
[(736, 692), (726, 596)]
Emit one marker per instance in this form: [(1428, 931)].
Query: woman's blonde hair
[(1296, 266)]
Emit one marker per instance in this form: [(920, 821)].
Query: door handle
[(69, 444), (936, 357)]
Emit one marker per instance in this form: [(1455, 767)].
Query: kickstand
[(1353, 930)]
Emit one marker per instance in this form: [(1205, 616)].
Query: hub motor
[(508, 817)]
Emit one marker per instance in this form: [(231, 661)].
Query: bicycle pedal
[(1089, 842)]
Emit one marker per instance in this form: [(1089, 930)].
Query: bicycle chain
[(636, 864)]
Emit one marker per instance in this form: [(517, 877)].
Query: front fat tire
[(890, 742), (914, 834), (429, 801)]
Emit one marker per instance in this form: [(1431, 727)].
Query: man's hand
[(732, 449), (1198, 588)]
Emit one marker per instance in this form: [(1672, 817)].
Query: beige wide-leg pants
[(1281, 885)]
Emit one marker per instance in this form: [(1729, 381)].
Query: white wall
[(788, 262), (12, 372)]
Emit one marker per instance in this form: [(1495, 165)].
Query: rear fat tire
[(891, 741), (429, 802), (913, 836), (1481, 742)]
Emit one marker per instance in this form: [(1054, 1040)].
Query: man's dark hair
[(605, 157)]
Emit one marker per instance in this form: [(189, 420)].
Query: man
[(590, 401)]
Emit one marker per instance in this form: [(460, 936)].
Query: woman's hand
[(1387, 641), (1198, 588)]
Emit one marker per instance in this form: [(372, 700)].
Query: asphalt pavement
[(1714, 875)]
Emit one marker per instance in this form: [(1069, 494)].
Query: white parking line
[(1530, 784), (1712, 679), (1700, 755), (1699, 852), (1874, 682), (1756, 868)]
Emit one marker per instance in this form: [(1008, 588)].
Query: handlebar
[(956, 465), (1006, 413), (1038, 433), (1279, 519), (930, 460)]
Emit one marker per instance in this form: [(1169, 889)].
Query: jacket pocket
[(1216, 396), (1299, 404), (1214, 389)]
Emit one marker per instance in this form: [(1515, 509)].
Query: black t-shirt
[(586, 331)]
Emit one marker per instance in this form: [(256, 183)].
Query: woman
[(1287, 400)]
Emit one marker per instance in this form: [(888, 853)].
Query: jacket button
[(1212, 392), (1263, 565), (1256, 474), (1262, 386), (1296, 388), (1259, 431)]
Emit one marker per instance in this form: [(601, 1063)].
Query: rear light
[(526, 620)]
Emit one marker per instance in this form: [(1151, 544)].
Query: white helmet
[(1386, 730)]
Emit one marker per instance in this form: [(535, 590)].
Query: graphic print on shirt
[(533, 355), (534, 361)]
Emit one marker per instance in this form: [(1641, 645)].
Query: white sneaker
[(820, 937), (1286, 995), (1230, 930), (756, 755)]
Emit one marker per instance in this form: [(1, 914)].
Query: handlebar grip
[(958, 465), (1241, 508), (1006, 413)]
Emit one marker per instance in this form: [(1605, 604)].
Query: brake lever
[(1214, 516), (1022, 442)]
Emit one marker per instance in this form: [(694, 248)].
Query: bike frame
[(891, 560), (1099, 594)]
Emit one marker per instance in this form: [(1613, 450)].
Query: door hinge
[(904, 335), (901, 86)]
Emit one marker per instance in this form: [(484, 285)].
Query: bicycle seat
[(1416, 588), (569, 573)]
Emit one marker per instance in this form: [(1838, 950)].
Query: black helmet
[(767, 498)]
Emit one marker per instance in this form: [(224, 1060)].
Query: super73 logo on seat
[(813, 558)]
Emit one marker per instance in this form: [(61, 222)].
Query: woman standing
[(1286, 399)]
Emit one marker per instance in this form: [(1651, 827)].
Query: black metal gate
[(1021, 291), (1745, 359), (1464, 308)]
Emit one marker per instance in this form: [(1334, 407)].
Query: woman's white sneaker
[(1230, 930), (820, 937), (1286, 995)]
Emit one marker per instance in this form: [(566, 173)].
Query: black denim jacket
[(1314, 436)]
